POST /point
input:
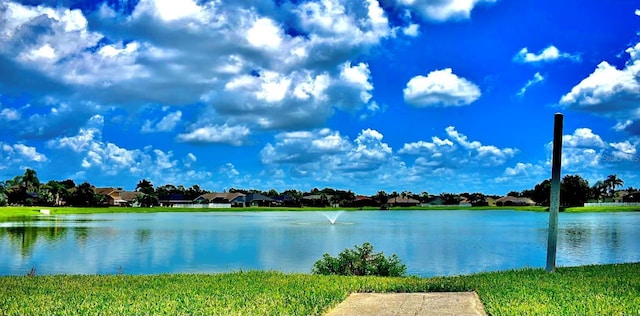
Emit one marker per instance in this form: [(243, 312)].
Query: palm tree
[(84, 195), (424, 197), (3, 194), (30, 180), (56, 188), (145, 186), (612, 182), (15, 192)]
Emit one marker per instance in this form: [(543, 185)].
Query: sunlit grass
[(588, 290), (602, 209), (8, 212)]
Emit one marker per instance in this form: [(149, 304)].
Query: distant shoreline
[(8, 212)]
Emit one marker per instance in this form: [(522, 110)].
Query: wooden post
[(554, 206)]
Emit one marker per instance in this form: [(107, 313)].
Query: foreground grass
[(588, 290)]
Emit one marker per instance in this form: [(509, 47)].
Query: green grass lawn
[(602, 209), (8, 212), (588, 290)]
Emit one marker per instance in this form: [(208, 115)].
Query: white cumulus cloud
[(28, 153), (224, 134), (441, 88), (610, 92), (443, 10), (166, 124), (549, 54)]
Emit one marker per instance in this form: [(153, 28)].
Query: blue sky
[(367, 95)]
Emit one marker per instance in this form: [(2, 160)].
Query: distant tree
[(449, 199), (598, 190), (382, 198), (147, 200), (166, 190), (574, 191), (149, 197), (3, 195), (68, 184), (542, 192), (334, 200), (84, 195), (30, 180), (324, 200), (145, 186), (194, 191), (424, 197), (272, 193), (347, 198), (612, 182), (477, 199), (295, 197), (15, 191), (527, 193), (514, 194), (58, 192)]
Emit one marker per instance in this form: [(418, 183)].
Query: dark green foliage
[(360, 261), (574, 191)]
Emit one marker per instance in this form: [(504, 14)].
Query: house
[(112, 196), (221, 200), (514, 201), (403, 201), (465, 202), (485, 201), (321, 200), (129, 198), (434, 201), (362, 201), (174, 199), (286, 200), (618, 196), (631, 198), (257, 199)]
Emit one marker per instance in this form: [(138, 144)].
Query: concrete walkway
[(418, 304)]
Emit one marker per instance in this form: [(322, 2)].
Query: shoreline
[(8, 212)]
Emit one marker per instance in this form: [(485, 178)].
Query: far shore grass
[(8, 212), (587, 290)]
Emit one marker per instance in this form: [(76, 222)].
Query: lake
[(430, 243)]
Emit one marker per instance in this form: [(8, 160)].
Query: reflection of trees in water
[(25, 237), (143, 235), (577, 236), (81, 234), (602, 235)]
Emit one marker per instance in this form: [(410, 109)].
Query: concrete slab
[(418, 304)]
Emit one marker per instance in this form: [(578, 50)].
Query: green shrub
[(360, 261)]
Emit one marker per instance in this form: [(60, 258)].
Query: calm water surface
[(428, 242)]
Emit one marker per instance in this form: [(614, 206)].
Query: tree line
[(26, 189), (575, 191)]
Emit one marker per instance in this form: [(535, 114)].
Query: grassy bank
[(588, 290), (7, 212), (602, 209)]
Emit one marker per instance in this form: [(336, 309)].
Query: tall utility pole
[(554, 206)]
